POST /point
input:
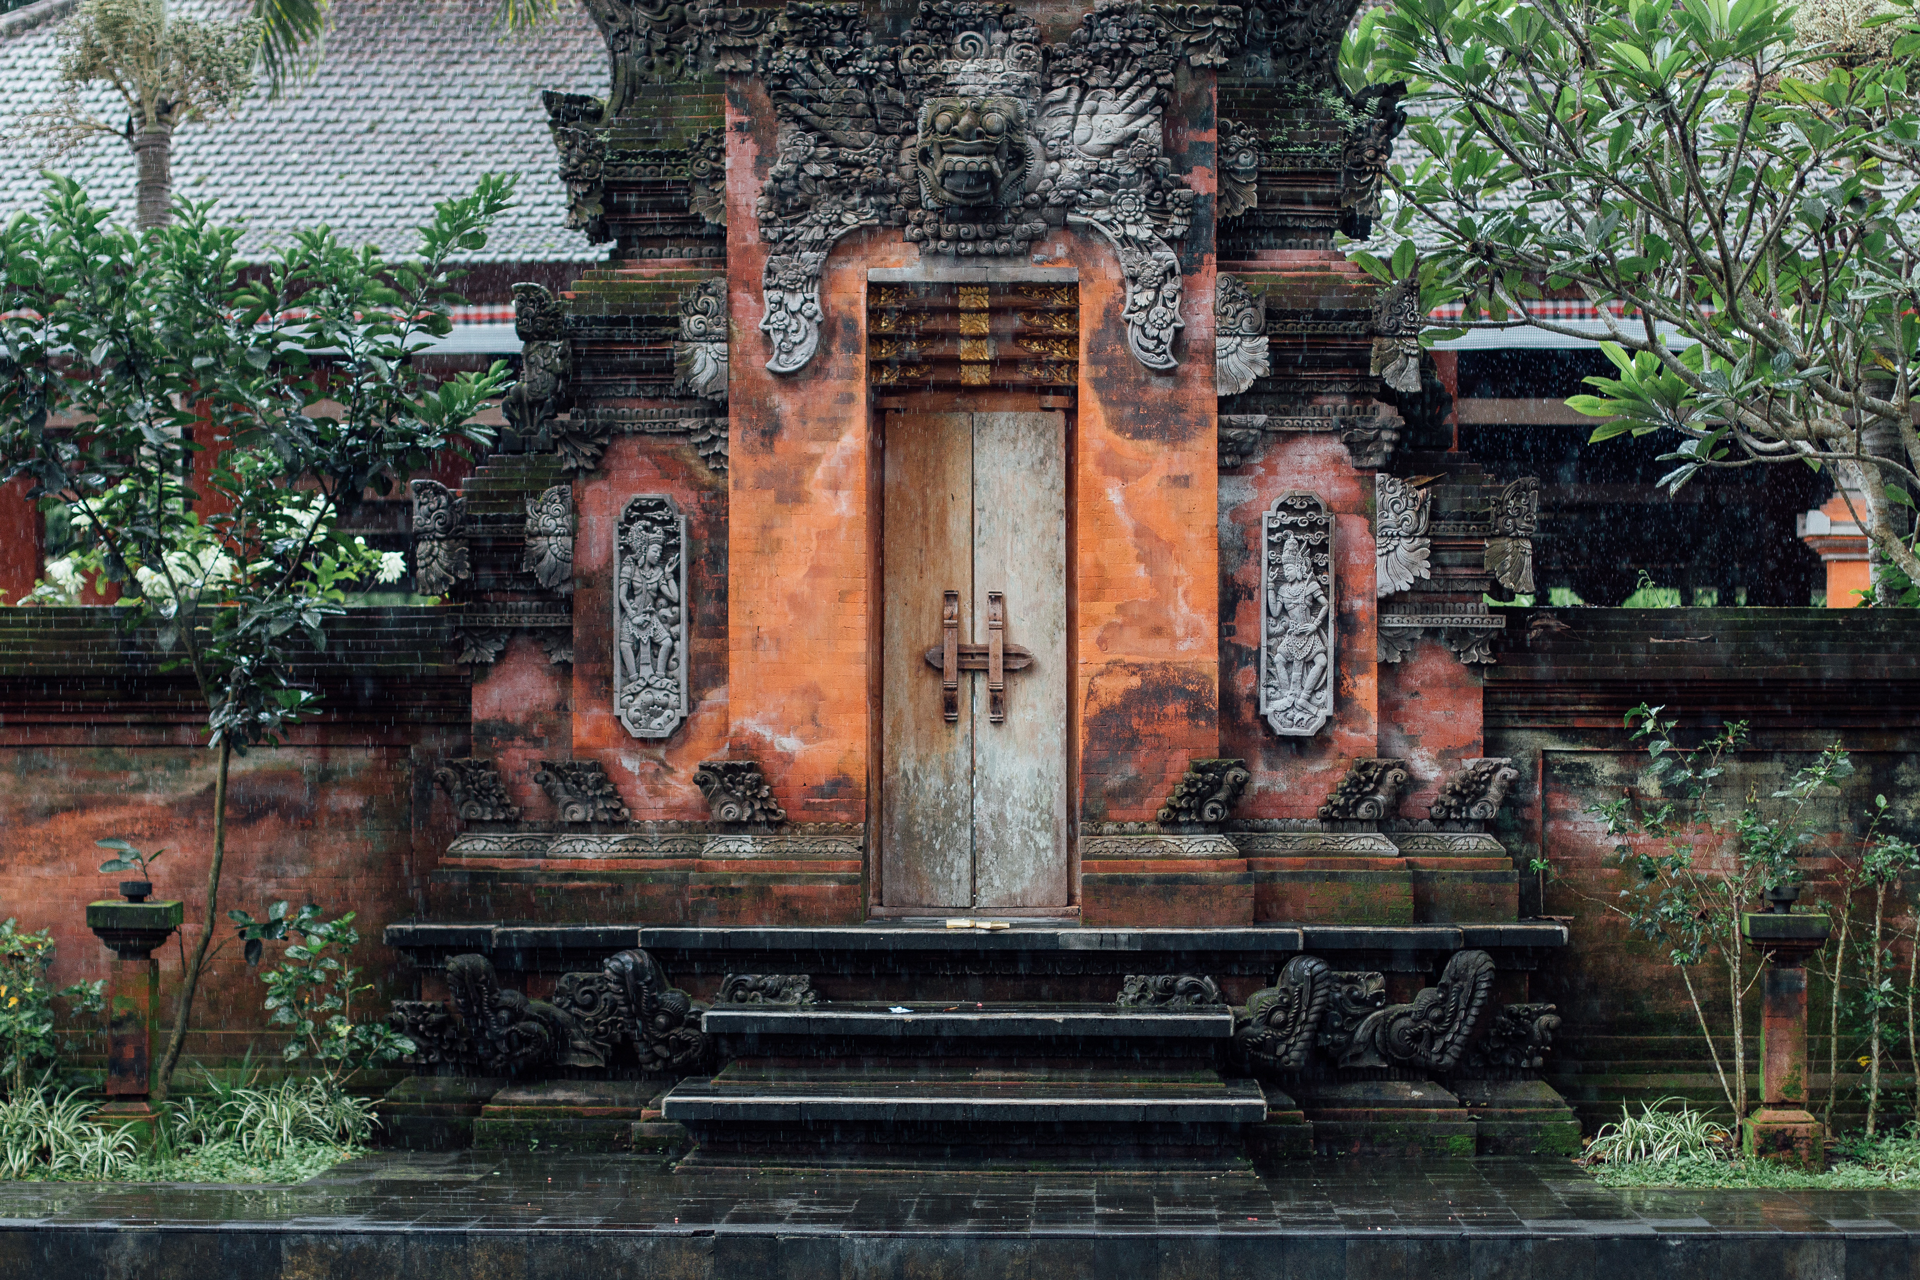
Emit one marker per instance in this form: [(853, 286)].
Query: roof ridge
[(23, 20)]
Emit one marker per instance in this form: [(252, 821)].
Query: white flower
[(393, 567), (64, 576)]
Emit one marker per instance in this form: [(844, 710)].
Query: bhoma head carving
[(973, 153)]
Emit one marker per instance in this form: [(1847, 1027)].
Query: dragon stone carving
[(581, 791), (1296, 619), (1206, 794), (1476, 793), (1169, 991), (549, 551), (1368, 792), (1356, 994), (974, 139), (440, 559), (1282, 1020), (1401, 548), (533, 403), (477, 791), (737, 792), (1240, 348), (1432, 1032)]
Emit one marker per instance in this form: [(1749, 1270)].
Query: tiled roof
[(412, 103)]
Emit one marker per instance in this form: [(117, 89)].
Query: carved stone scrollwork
[(1240, 160), (542, 393), (481, 646), (737, 792), (438, 1037), (700, 351), (1296, 620), (1368, 793), (650, 617), (707, 180), (1240, 346), (1282, 1020), (973, 140), (1396, 340), (768, 988), (558, 646), (477, 791), (1356, 995), (1364, 158), (1432, 1032), (1206, 794), (1519, 1038), (571, 118), (1476, 793), (1297, 42), (1469, 631), (628, 1008), (581, 791), (440, 560), (1239, 445), (580, 442), (1516, 515), (508, 1033), (1169, 991), (549, 552), (1401, 548)]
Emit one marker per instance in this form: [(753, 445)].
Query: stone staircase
[(1033, 1044)]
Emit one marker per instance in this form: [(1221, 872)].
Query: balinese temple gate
[(977, 622)]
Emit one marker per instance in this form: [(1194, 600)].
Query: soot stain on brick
[(1129, 707)]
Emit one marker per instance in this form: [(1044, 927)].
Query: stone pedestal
[(1782, 1129), (132, 930)]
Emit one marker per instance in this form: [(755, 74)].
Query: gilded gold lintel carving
[(1053, 321), (976, 375), (895, 349), (886, 375), (973, 322), (976, 349), (973, 297), (898, 321), (1058, 348), (1050, 372), (1061, 295)]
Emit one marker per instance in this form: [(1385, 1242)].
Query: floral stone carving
[(440, 559), (533, 403), (1476, 793), (973, 139), (1240, 348), (1519, 1038), (700, 350), (1356, 994), (737, 792), (1369, 792), (768, 988), (1401, 548), (1516, 515), (650, 616), (1170, 991), (549, 552), (1296, 622), (477, 790), (1206, 794), (581, 791), (1433, 1031), (1282, 1020), (1396, 327)]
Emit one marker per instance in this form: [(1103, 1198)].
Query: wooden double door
[(973, 787)]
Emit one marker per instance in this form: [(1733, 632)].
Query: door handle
[(950, 656), (996, 657)]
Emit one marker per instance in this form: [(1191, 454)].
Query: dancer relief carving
[(1296, 621), (650, 616)]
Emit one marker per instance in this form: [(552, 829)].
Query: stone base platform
[(399, 1216)]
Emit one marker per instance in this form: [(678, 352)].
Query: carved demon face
[(973, 152)]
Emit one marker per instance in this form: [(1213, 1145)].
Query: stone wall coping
[(973, 275)]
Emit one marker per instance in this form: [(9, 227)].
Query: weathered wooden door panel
[(1020, 764), (973, 812), (926, 797)]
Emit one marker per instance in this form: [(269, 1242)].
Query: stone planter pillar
[(132, 930), (1783, 1129)]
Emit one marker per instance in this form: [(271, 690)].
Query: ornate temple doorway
[(973, 788)]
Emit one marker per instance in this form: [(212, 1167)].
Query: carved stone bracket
[(1297, 615), (440, 559), (650, 616), (1516, 515), (1432, 1032), (481, 646), (1207, 794), (1401, 548), (1357, 995), (543, 392), (700, 350), (477, 790), (737, 792), (1241, 351), (1476, 793), (581, 439), (581, 791), (1368, 793), (549, 552), (1469, 631), (1281, 1021), (1397, 320), (768, 988), (1169, 991)]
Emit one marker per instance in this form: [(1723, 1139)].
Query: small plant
[(28, 1043), (1658, 1134), (313, 990), (128, 858), (278, 1122), (56, 1134)]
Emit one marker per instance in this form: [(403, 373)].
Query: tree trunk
[(153, 152), (190, 979)]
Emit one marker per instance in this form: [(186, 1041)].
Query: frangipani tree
[(1734, 182)]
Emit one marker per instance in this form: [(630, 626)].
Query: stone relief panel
[(549, 532), (1401, 548), (1296, 620), (1515, 517), (650, 616), (974, 138), (1240, 348), (700, 350)]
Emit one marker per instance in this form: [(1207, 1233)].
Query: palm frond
[(292, 39)]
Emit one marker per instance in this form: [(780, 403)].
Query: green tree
[(150, 339), (1734, 180)]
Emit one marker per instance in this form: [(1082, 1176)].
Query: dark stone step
[(977, 1021)]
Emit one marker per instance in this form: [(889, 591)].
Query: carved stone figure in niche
[(1240, 347), (1296, 642), (1170, 991), (546, 364), (549, 553), (649, 617), (440, 559), (700, 352), (1401, 548)]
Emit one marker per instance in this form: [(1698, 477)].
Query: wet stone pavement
[(484, 1215)]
